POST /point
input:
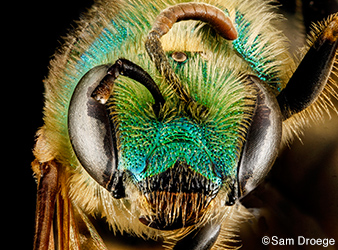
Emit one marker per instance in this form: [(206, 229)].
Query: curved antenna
[(195, 11), (127, 68), (184, 11)]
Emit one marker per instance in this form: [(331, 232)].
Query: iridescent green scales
[(252, 53), (209, 145), (153, 148)]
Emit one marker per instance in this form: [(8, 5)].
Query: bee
[(162, 116)]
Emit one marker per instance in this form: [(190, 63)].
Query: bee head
[(216, 130)]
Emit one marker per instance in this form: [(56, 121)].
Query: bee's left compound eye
[(91, 134)]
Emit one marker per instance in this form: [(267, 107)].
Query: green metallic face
[(209, 143), (154, 147)]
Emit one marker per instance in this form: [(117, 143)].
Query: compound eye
[(179, 56), (263, 139), (90, 130)]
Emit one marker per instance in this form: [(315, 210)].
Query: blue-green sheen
[(257, 62), (156, 146)]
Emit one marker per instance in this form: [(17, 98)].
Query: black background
[(32, 33)]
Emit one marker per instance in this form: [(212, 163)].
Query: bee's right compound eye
[(92, 135), (263, 139)]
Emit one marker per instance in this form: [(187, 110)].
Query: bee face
[(180, 154), (176, 157)]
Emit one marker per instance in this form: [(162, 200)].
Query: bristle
[(229, 235)]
